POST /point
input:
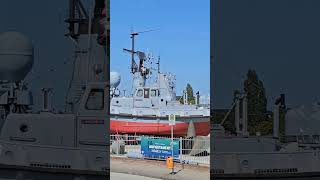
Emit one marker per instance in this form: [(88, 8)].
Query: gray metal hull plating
[(20, 173), (297, 176)]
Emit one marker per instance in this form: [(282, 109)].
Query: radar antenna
[(134, 67), (158, 63)]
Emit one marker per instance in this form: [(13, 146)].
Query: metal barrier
[(191, 151)]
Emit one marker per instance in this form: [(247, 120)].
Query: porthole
[(245, 162), (24, 128)]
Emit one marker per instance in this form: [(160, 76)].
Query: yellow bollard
[(169, 162)]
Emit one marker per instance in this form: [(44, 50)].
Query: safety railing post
[(180, 150), (117, 143)]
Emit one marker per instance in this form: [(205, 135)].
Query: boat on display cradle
[(147, 109)]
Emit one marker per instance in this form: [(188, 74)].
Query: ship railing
[(301, 139), (195, 151)]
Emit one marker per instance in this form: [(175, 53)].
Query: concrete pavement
[(158, 169), (121, 176)]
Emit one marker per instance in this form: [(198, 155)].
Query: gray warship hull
[(297, 176), (259, 158), (241, 156), (21, 172), (268, 165)]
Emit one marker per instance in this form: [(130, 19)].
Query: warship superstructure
[(146, 111), (293, 155), (50, 145)]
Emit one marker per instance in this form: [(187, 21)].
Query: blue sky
[(279, 39), (182, 41), (43, 23)]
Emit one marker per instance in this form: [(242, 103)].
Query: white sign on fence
[(172, 119)]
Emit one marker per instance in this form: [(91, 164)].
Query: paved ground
[(121, 176), (136, 149), (158, 169)]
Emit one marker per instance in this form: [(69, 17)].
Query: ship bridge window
[(153, 93), (139, 93), (95, 100), (146, 93)]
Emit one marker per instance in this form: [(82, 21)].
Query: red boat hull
[(152, 128)]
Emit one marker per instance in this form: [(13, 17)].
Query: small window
[(146, 93), (24, 128), (140, 93), (95, 100), (153, 93)]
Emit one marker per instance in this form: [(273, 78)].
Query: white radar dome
[(115, 79), (16, 56)]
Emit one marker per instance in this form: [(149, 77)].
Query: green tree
[(257, 102), (180, 99), (264, 127), (229, 124), (191, 98)]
